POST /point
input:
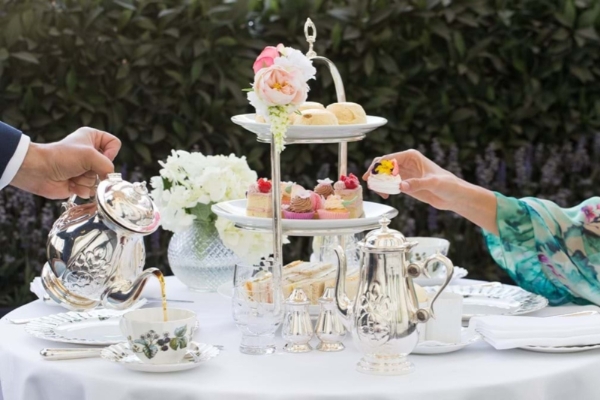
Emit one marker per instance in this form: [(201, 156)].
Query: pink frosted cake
[(350, 191)]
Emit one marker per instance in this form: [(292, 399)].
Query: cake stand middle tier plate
[(235, 211), (311, 133)]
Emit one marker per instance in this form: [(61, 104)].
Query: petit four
[(324, 187), (301, 207), (350, 190), (259, 202), (334, 208)]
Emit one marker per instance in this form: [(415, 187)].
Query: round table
[(476, 372)]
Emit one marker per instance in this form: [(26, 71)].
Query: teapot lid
[(385, 239), (128, 204)]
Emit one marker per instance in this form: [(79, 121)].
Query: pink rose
[(266, 58), (276, 86)]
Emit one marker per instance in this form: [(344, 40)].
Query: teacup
[(155, 341), (446, 326), (428, 246)]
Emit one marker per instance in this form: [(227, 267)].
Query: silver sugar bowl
[(96, 250), (383, 319)]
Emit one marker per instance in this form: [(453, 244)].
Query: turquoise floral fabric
[(549, 250)]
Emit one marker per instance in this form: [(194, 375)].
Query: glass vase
[(199, 259)]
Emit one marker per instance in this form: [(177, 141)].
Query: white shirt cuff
[(15, 162)]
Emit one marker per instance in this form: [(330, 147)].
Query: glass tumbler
[(257, 306)]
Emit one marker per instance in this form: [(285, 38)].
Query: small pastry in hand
[(315, 117), (301, 207), (311, 105), (324, 187), (385, 177), (348, 113)]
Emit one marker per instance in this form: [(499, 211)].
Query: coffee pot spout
[(124, 294), (341, 298)]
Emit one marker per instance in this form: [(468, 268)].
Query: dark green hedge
[(505, 93)]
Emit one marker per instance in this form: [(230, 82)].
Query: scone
[(315, 117), (348, 113), (311, 105)]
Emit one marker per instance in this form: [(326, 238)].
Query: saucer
[(122, 354), (561, 349), (434, 347)]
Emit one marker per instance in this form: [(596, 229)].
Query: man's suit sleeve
[(13, 148)]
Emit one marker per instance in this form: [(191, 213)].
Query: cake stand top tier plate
[(235, 211), (304, 134)]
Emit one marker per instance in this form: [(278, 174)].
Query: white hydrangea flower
[(295, 59)]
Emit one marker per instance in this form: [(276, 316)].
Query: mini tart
[(315, 117), (348, 113)]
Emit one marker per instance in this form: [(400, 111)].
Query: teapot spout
[(341, 298), (124, 295)]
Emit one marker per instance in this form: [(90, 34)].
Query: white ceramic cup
[(446, 327), (155, 341), (428, 246)]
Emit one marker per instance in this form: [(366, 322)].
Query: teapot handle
[(416, 269), (72, 201)]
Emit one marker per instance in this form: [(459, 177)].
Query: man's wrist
[(34, 158)]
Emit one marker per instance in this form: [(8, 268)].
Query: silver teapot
[(96, 250), (383, 319)]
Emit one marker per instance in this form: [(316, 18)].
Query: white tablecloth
[(476, 372)]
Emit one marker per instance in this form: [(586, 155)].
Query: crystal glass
[(199, 258), (323, 249), (257, 307)]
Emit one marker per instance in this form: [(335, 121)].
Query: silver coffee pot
[(384, 316), (96, 250)]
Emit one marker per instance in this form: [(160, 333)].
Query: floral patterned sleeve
[(548, 250)]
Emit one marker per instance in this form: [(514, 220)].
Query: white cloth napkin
[(508, 332), (37, 288)]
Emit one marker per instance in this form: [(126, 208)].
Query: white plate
[(94, 328), (561, 349), (235, 211), (495, 299), (459, 273), (122, 354), (226, 290), (432, 347), (313, 133)]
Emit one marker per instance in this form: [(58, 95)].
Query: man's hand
[(57, 170)]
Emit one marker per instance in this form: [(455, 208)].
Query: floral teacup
[(155, 341), (429, 246)]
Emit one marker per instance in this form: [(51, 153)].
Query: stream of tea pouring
[(163, 293)]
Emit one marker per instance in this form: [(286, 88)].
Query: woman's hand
[(57, 170), (428, 182)]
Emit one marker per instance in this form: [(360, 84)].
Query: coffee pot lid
[(128, 204), (385, 239)]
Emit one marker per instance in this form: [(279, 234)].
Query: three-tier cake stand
[(235, 211)]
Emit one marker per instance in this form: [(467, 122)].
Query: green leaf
[(150, 351), (582, 73), (567, 17), (182, 342), (174, 343), (71, 81), (588, 33), (142, 50), (143, 151), (225, 41), (589, 17), (123, 70), (202, 212), (196, 70), (181, 331), (369, 64), (459, 43), (26, 56), (141, 341), (3, 54), (125, 4)]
